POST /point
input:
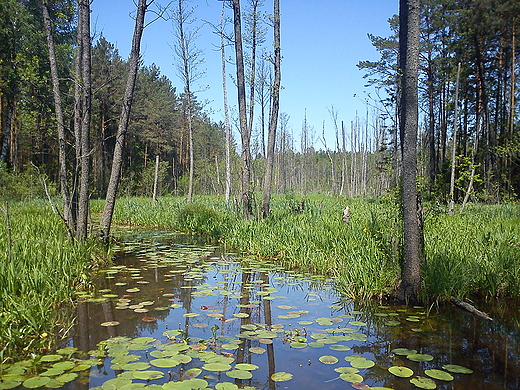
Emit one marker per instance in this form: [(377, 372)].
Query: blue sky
[(321, 43)]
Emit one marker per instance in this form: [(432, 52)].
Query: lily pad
[(404, 351), (420, 357), (281, 376), (457, 369), (423, 383), (347, 377), (246, 366), (257, 350), (36, 381), (400, 371), (147, 375), (328, 359), (216, 367), (362, 363), (439, 374), (51, 358), (110, 323), (239, 374), (226, 386), (339, 347)]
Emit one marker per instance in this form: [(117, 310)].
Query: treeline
[(468, 88), (474, 118)]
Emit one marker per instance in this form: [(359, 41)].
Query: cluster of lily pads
[(176, 359)]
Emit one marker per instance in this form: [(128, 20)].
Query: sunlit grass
[(39, 268), (476, 251)]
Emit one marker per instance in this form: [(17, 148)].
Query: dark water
[(229, 299)]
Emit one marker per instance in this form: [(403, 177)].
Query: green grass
[(39, 269), (476, 251)]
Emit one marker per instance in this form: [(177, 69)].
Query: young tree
[(410, 13), (133, 66), (273, 120), (188, 60), (68, 215), (84, 91), (244, 128)]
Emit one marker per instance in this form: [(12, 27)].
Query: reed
[(472, 252), (38, 270)]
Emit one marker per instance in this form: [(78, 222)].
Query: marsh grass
[(476, 251), (38, 271)]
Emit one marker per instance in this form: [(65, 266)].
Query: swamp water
[(177, 314)]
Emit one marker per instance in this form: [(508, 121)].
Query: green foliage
[(470, 252), (25, 185), (39, 268)]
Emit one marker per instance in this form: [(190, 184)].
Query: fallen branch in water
[(472, 309)]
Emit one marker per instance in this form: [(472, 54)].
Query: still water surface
[(178, 309)]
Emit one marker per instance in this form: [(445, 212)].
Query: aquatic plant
[(38, 271)]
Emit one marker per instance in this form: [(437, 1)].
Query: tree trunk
[(156, 179), (409, 56), (84, 133), (133, 66), (454, 150), (273, 121), (244, 129), (60, 124), (226, 110)]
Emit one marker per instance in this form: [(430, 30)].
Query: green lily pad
[(316, 344), (347, 377), (346, 370), (147, 375), (257, 350), (239, 374), (362, 363), (139, 366), (328, 359), (281, 376), (457, 369), (439, 374), (420, 357), (339, 347), (226, 386), (216, 367), (51, 358), (297, 344), (400, 371), (246, 366), (36, 381), (68, 377), (357, 323), (404, 351), (423, 383)]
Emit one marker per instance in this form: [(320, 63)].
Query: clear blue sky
[(321, 43)]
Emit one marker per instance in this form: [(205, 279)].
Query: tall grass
[(39, 268), (476, 251)]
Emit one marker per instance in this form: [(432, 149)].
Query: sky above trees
[(321, 45)]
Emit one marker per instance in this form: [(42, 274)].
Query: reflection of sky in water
[(226, 286)]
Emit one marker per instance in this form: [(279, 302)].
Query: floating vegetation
[(225, 326)]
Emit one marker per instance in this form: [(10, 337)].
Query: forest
[(467, 114)]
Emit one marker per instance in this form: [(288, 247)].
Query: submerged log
[(470, 308)]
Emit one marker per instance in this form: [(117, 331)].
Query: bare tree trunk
[(454, 151), (409, 64), (273, 121), (58, 109), (156, 179), (244, 129), (226, 110), (86, 97), (133, 66)]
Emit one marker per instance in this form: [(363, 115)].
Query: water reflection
[(240, 309)]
